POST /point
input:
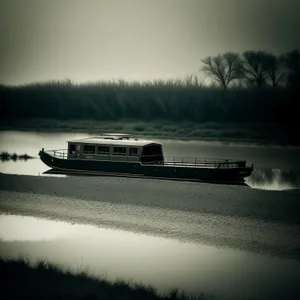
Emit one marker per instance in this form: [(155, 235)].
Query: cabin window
[(133, 151), (89, 149), (72, 148), (152, 150), (119, 150), (103, 150)]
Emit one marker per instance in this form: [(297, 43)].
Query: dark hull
[(136, 169)]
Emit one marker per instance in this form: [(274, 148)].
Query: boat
[(121, 155)]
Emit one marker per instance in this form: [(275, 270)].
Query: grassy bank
[(170, 108), (256, 133), (21, 280)]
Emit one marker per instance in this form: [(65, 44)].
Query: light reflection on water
[(274, 179), (163, 263), (275, 168)]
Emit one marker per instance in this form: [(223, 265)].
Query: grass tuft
[(5, 156), (45, 280)]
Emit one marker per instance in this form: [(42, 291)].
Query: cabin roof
[(117, 142)]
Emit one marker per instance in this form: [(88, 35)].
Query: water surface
[(163, 263)]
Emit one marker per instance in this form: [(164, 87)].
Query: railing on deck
[(173, 160), (204, 162), (60, 153)]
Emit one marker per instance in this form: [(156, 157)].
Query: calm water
[(276, 168), (163, 263)]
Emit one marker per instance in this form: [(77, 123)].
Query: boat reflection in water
[(262, 178), (93, 174)]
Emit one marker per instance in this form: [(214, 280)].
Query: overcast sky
[(92, 40)]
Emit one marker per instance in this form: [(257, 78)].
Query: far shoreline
[(255, 134)]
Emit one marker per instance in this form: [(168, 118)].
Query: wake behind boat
[(121, 155)]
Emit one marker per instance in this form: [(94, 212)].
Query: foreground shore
[(219, 215), (236, 217)]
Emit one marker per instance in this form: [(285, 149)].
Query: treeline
[(170, 101), (174, 100)]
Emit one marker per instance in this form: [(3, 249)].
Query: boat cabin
[(116, 147)]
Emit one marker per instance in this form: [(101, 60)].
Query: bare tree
[(222, 68), (254, 67), (274, 70), (192, 80), (291, 61)]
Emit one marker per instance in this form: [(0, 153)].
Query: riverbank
[(236, 217), (243, 132), (45, 280), (161, 109)]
